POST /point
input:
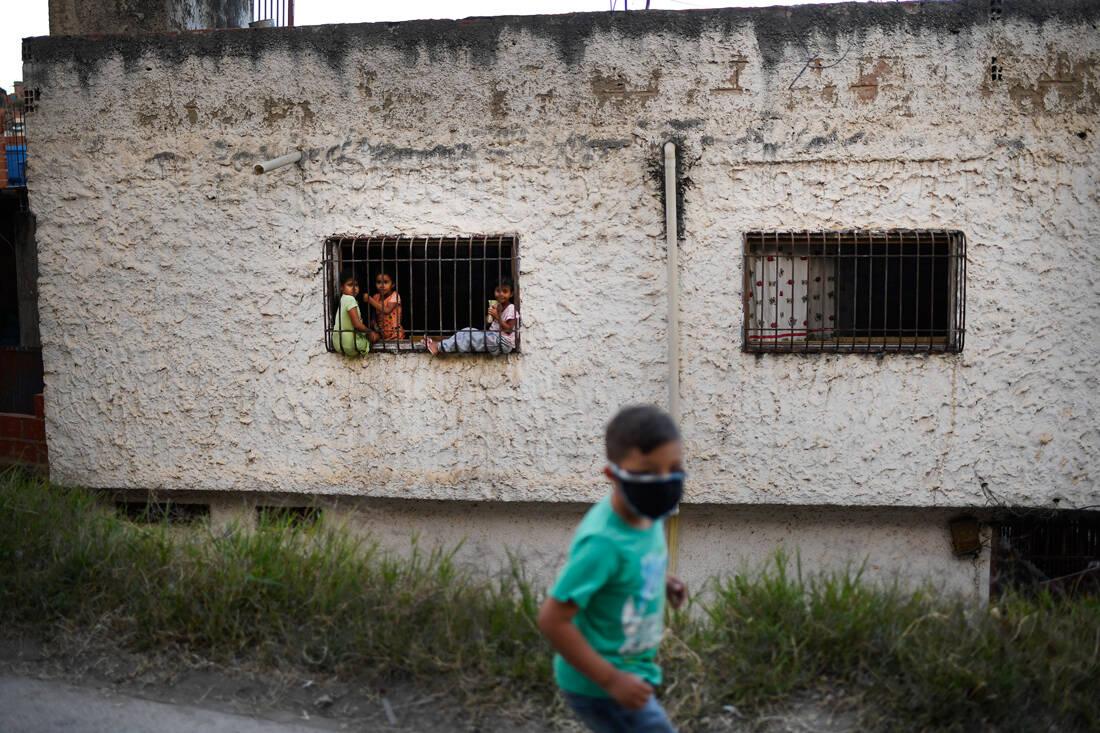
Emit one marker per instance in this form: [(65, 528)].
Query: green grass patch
[(294, 593), (907, 660)]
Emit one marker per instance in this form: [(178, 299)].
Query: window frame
[(333, 264), (830, 248)]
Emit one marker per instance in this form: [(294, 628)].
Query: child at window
[(499, 339), (350, 336), (604, 615), (387, 308)]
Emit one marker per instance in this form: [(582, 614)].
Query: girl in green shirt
[(350, 336)]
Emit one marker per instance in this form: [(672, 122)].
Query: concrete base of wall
[(912, 546), (909, 545)]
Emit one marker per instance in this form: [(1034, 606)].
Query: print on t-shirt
[(641, 617)]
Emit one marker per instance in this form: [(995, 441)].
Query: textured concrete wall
[(180, 295), (909, 545), (89, 17)]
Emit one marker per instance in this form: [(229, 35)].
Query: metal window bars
[(279, 12), (1059, 553), (854, 291), (444, 283)]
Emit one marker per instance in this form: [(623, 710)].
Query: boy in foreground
[(605, 613)]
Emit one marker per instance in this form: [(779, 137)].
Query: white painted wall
[(180, 295)]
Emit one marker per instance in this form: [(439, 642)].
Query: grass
[(910, 660), (297, 594)]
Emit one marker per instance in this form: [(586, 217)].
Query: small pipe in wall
[(269, 165), (673, 283), (672, 243)]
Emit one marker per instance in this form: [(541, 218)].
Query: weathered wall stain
[(617, 87), (281, 109), (732, 83), (870, 74), (498, 104), (1066, 83)]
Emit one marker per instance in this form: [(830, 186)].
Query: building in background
[(22, 436), (887, 236), (22, 427), (129, 17)]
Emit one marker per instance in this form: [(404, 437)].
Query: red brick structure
[(23, 437)]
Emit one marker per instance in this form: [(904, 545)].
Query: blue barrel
[(17, 164)]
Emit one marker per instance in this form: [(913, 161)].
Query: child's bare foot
[(432, 346)]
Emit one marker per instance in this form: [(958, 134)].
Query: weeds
[(293, 593), (911, 660)]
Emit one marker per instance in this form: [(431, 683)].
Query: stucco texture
[(181, 295)]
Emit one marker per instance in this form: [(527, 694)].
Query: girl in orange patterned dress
[(387, 308)]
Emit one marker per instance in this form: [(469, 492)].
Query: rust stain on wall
[(618, 88), (545, 100), (1067, 79), (280, 109), (497, 104), (866, 87), (733, 81), (364, 85)]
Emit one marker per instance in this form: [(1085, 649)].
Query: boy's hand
[(629, 690), (675, 591)]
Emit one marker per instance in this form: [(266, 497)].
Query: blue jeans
[(604, 715)]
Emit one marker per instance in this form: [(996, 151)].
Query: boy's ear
[(610, 476)]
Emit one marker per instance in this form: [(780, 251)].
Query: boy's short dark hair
[(644, 427), (345, 276)]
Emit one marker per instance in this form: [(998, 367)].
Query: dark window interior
[(1059, 553), (153, 512), (893, 287)]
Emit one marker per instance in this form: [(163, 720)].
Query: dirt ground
[(323, 702)]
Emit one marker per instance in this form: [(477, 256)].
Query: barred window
[(445, 283), (855, 291)]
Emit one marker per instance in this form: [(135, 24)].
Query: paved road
[(39, 706)]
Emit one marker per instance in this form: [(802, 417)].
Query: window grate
[(292, 516), (444, 282), (155, 512), (854, 291), (279, 12), (1058, 554)]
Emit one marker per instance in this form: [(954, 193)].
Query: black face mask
[(652, 497)]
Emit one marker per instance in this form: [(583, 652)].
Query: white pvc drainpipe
[(673, 325), (270, 165), (673, 283)]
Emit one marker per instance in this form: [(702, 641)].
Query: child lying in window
[(499, 339), (350, 336)]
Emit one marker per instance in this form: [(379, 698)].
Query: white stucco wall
[(180, 295)]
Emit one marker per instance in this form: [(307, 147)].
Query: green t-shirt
[(615, 574), (345, 339)]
